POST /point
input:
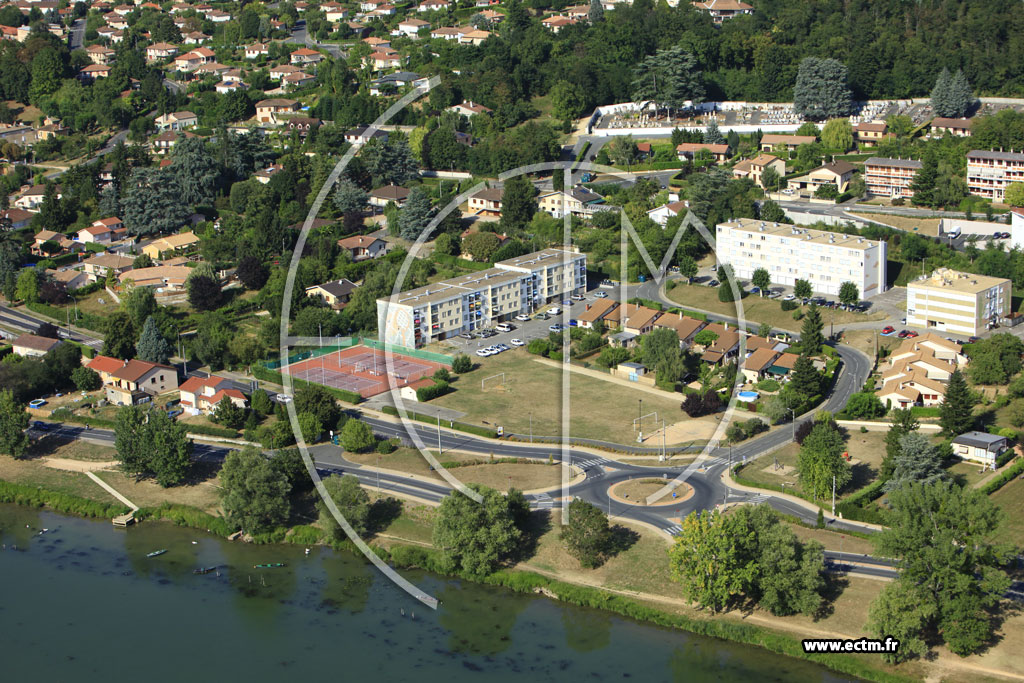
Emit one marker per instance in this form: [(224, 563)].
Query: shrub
[(424, 394), (462, 364), (385, 447), (789, 305), (539, 347)]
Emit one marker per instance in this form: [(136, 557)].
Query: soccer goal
[(638, 422), (498, 381)]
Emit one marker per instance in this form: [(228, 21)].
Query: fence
[(348, 342)]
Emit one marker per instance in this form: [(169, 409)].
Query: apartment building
[(890, 177), (989, 173), (478, 300), (951, 301), (789, 253)]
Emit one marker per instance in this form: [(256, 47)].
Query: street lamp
[(640, 419), (793, 421)]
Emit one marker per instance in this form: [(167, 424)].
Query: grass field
[(968, 472), (72, 449), (496, 475), (1011, 499), (598, 409), (637, 491), (147, 493), (761, 310), (35, 473)]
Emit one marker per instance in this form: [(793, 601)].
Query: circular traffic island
[(636, 491)]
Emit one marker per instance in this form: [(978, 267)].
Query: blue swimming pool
[(747, 396)]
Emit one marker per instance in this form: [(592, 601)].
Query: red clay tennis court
[(363, 370)]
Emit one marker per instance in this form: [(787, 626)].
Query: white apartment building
[(989, 173), (790, 253), (478, 300), (890, 177), (951, 301)]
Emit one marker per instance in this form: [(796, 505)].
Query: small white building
[(980, 447)]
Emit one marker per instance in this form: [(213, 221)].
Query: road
[(301, 36), (76, 37), (28, 323)]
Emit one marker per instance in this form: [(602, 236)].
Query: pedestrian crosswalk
[(587, 463), (674, 530), (759, 498), (543, 501)]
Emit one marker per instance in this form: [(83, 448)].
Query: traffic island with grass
[(637, 491)]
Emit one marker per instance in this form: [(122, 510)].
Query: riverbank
[(635, 584)]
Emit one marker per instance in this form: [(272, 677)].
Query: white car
[(601, 295), (517, 342), (555, 311), (789, 297), (577, 297), (483, 353), (522, 317)]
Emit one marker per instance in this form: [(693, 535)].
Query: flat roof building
[(478, 300), (789, 253), (951, 301)]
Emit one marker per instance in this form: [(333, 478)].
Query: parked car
[(904, 334), (503, 327), (467, 335), (601, 295), (888, 329), (522, 317), (502, 347), (713, 283), (488, 333), (577, 297), (788, 297), (483, 353), (566, 302), (175, 413), (283, 398), (973, 340), (555, 311), (517, 342), (911, 334), (557, 327), (541, 316)]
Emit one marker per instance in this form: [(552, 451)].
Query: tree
[(596, 12), (864, 405), (826, 191), (196, 171), (254, 494), (349, 197), (462, 364), (28, 286), (119, 336), (957, 408), (472, 538), (86, 379), (204, 292), (712, 135), (960, 95), (149, 443), (705, 338), (770, 179), (900, 125), (228, 414), (805, 380), (918, 461), (260, 403), (481, 245), (772, 212), (623, 150), (821, 460), (587, 536), (392, 162), (837, 134), (47, 72), (848, 293), (670, 78), (706, 559), (688, 268), (517, 205), (142, 261), (315, 400), (568, 100), (356, 436), (903, 422), (252, 273), (761, 279), (415, 215), (811, 338), (821, 91), (941, 102), (951, 572), (13, 422), (140, 304), (802, 290), (151, 202), (1015, 194), (352, 502), (152, 346)]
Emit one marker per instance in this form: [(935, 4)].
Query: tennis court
[(363, 370)]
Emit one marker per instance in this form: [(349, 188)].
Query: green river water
[(82, 602)]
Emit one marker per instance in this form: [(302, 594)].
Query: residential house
[(870, 133), (470, 109), (360, 135), (638, 319), (306, 56), (771, 141), (164, 278), (133, 381), (378, 44), (158, 51), (94, 71), (265, 174), (256, 51), (363, 247), (19, 218), (432, 6), (411, 27), (486, 202), (194, 38), (688, 150), (755, 168), (175, 245), (296, 81), (389, 83), (892, 178), (194, 59), (720, 10), (165, 141), (31, 198), (304, 124), (838, 173), (100, 54), (557, 22), (218, 17), (201, 395), (179, 120), (71, 279), (94, 234), (334, 12), (446, 33), (389, 193), (100, 266), (594, 312), (960, 128), (278, 73), (579, 201), (757, 363), (911, 388), (980, 447), (474, 37), (661, 214), (725, 346), (267, 111), (30, 345), (686, 328), (335, 294), (382, 60)]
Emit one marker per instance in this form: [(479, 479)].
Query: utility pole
[(833, 495), (640, 419), (531, 426), (439, 433), (793, 422), (664, 429)]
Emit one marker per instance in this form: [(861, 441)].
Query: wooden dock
[(124, 520)]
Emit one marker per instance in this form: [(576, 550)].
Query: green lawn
[(757, 309), (1011, 499), (598, 409)]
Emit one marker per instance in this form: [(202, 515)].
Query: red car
[(904, 334), (888, 329), (911, 334)]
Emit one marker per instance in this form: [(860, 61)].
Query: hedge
[(689, 314), (211, 431), (458, 426), (65, 415), (86, 321), (1004, 478), (432, 391), (268, 375), (925, 411), (35, 496), (849, 507), (656, 305), (187, 516)]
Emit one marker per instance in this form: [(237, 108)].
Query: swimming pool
[(747, 396)]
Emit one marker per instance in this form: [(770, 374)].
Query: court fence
[(342, 343)]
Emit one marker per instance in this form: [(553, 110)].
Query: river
[(82, 602)]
